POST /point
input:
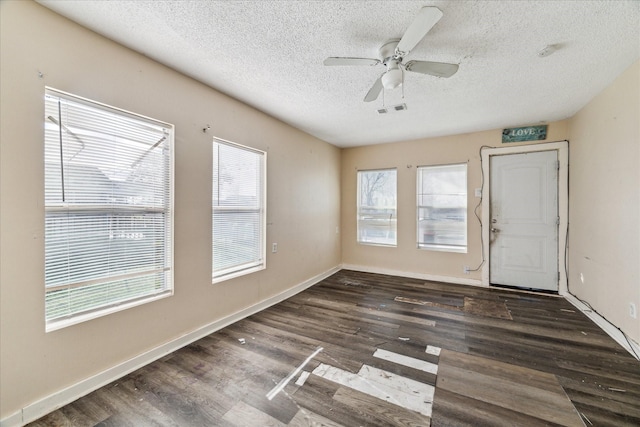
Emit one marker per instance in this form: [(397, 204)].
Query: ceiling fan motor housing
[(388, 51)]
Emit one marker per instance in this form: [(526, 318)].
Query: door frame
[(562, 148)]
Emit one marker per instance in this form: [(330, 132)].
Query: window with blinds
[(377, 212), (442, 207), (108, 209), (238, 214)]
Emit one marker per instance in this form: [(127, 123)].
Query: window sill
[(444, 248), (238, 274), (384, 245)]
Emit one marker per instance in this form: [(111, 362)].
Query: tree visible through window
[(108, 203), (377, 219), (442, 207)]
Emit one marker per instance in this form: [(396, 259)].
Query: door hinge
[(557, 164), (558, 221)]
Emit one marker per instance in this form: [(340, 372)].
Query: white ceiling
[(269, 54)]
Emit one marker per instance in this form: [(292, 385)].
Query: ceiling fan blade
[(438, 69), (426, 19), (375, 90), (332, 60)]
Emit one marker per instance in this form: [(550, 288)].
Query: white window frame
[(261, 263), (359, 207), (443, 247), (112, 210)]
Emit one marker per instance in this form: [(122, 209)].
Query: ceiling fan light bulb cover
[(392, 78)]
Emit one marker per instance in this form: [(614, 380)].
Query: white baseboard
[(13, 420), (607, 327), (63, 397), (413, 275)]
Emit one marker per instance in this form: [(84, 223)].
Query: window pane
[(442, 207), (377, 219), (67, 301), (238, 211), (108, 200), (236, 239), (90, 246), (238, 180)]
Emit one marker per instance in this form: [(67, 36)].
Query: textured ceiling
[(269, 54)]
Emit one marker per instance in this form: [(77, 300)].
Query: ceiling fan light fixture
[(392, 78)]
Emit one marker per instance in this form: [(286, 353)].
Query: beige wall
[(604, 201), (406, 156), (303, 202)]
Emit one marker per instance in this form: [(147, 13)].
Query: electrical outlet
[(274, 247), (633, 312), (466, 269)]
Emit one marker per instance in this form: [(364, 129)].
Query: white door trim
[(562, 147)]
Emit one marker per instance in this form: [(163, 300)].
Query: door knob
[(494, 230)]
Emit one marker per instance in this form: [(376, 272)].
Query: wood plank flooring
[(383, 351)]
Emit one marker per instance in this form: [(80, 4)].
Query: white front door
[(523, 248)]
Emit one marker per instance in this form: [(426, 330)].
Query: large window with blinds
[(108, 209), (442, 207), (377, 212), (238, 213)]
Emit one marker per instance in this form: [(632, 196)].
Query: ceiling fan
[(393, 52)]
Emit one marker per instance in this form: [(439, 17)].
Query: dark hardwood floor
[(383, 351)]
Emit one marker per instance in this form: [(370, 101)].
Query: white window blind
[(377, 212), (108, 208), (442, 207), (238, 217)]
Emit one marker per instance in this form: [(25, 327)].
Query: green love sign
[(527, 133)]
